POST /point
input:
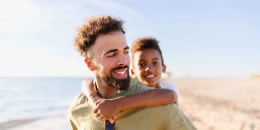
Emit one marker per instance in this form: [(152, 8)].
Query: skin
[(111, 51), (148, 67)]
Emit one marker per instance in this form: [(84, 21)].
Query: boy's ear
[(89, 64), (164, 68)]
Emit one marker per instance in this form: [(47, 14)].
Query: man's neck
[(104, 90)]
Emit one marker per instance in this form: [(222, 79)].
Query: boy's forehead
[(147, 52)]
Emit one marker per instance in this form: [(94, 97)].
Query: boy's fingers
[(95, 111)]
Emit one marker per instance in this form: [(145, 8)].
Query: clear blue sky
[(199, 39)]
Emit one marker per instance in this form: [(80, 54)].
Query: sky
[(199, 39)]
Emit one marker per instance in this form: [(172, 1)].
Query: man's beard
[(120, 84)]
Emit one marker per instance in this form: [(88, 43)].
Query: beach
[(210, 104), (221, 104), (48, 123)]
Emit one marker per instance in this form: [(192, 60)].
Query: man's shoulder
[(162, 113), (79, 102), (172, 116), (135, 83), (80, 111), (136, 86)]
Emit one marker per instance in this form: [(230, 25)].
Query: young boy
[(147, 66)]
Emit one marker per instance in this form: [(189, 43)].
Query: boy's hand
[(106, 108)]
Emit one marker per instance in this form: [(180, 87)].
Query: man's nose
[(123, 60)]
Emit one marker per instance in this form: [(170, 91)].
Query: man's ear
[(164, 68), (89, 64)]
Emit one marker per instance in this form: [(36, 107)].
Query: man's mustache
[(121, 67)]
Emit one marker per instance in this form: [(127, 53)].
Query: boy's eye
[(155, 63), (141, 64)]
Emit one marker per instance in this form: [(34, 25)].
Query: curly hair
[(92, 28), (146, 43)]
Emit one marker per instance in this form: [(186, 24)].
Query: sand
[(210, 104), (221, 104), (57, 122)]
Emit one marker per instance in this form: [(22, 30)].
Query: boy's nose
[(148, 68)]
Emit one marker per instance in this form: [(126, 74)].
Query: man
[(101, 41)]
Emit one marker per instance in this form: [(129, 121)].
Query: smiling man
[(101, 41), (109, 62)]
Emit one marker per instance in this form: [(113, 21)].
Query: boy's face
[(147, 66)]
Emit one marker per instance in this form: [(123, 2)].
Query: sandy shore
[(210, 104), (55, 122), (221, 104)]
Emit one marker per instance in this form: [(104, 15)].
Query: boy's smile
[(148, 67)]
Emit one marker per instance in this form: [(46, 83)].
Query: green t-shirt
[(167, 117)]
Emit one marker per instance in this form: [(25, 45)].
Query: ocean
[(26, 100)]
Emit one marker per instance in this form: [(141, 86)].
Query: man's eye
[(111, 54), (126, 51)]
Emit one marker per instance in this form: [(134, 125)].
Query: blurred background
[(200, 39)]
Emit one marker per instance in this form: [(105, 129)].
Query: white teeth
[(121, 72), (150, 76)]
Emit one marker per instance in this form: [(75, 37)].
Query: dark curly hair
[(92, 28), (146, 43)]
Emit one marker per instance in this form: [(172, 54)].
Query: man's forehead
[(111, 42), (117, 49), (106, 49)]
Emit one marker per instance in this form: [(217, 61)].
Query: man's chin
[(120, 84), (123, 84)]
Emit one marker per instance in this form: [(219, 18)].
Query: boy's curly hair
[(146, 43)]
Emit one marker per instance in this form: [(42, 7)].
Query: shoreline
[(209, 104), (57, 122), (15, 123)]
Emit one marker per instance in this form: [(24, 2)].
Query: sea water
[(24, 99)]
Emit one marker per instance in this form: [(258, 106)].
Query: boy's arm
[(89, 91), (107, 108), (171, 86), (103, 108), (149, 98)]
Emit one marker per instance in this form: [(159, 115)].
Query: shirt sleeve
[(73, 126)]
